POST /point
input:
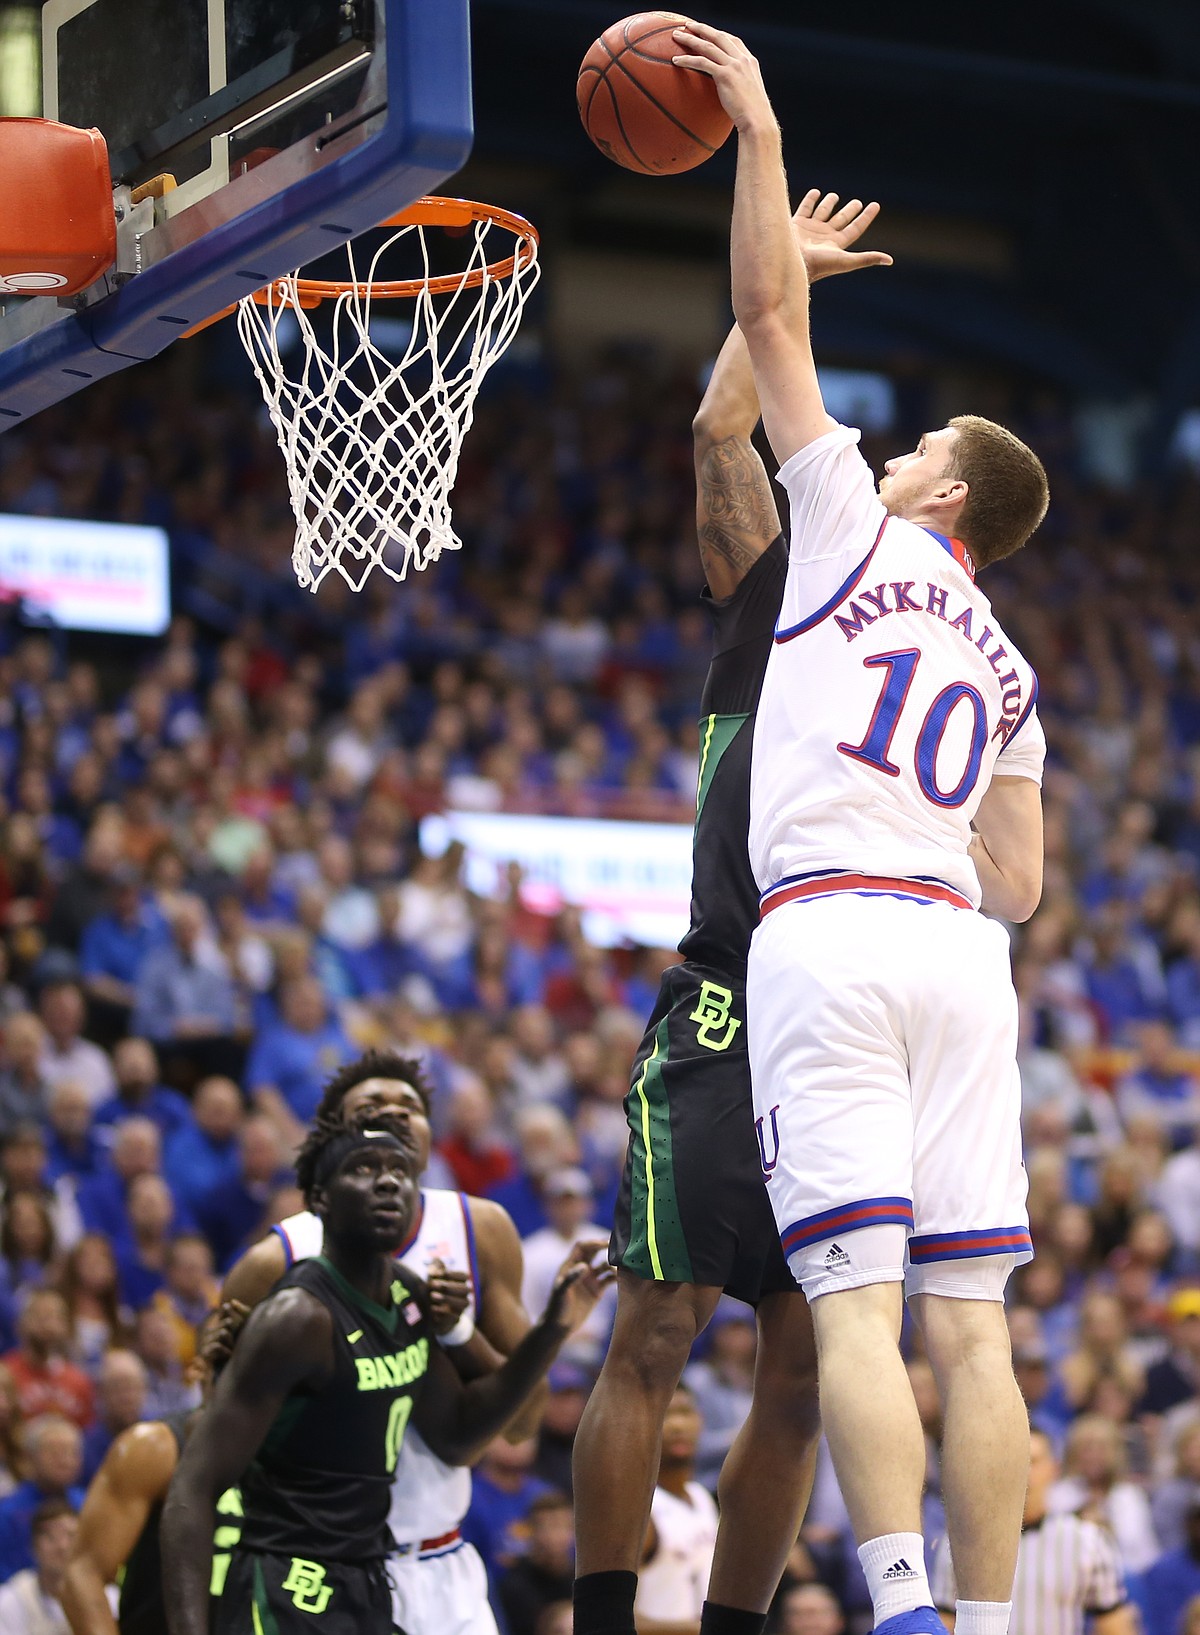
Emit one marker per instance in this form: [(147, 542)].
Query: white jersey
[(891, 698), (429, 1498), (673, 1583)]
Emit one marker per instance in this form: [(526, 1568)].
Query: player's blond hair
[(1008, 494)]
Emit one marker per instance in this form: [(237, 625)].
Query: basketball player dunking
[(692, 1218), (894, 787)]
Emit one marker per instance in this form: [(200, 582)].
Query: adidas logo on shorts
[(836, 1258), (898, 1569)]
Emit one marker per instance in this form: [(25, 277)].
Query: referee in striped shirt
[(1067, 1568)]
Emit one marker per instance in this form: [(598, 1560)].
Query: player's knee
[(964, 1330), (650, 1350)]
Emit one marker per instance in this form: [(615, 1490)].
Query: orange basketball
[(642, 111)]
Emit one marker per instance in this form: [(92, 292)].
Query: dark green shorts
[(693, 1205), (284, 1595)]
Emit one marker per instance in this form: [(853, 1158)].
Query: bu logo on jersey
[(768, 1164), (712, 1014)]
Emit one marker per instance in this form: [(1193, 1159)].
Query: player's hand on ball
[(578, 1286), (825, 233), (448, 1296), (727, 60)]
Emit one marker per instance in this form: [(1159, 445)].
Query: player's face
[(1043, 1472), (372, 1198), (681, 1429), (393, 1105), (910, 478)]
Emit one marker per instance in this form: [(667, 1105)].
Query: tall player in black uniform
[(309, 1415), (693, 1217)]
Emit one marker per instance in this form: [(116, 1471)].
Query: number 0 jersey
[(320, 1485), (891, 698)]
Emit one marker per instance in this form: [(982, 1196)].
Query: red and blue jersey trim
[(957, 550), (829, 882), (846, 588), (833, 1223), (997, 1240), (953, 547), (288, 1256)]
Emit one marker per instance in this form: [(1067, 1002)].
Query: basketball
[(638, 108)]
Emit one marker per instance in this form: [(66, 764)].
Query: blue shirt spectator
[(290, 1062), (54, 1448), (1172, 1581), (202, 1155), (117, 943), (184, 990), (121, 1402), (140, 1095), (104, 1199), (142, 1254), (231, 1216), (73, 1148)]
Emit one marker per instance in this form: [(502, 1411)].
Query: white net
[(372, 438)]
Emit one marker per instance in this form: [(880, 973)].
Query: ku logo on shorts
[(306, 1585), (716, 1027)]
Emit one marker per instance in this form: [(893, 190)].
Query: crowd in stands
[(212, 893)]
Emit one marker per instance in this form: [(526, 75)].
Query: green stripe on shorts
[(657, 1247), (260, 1608)]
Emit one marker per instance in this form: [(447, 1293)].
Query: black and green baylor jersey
[(724, 895), (321, 1482)]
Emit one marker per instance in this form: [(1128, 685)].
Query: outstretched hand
[(825, 234), (578, 1286)]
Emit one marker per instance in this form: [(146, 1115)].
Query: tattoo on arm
[(736, 514)]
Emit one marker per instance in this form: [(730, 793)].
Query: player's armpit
[(134, 1477), (501, 1319), (1007, 847)]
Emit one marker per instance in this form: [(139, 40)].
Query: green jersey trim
[(387, 1315)]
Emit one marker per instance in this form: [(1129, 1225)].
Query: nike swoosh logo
[(357, 1335)]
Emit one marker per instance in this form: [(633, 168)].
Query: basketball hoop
[(372, 442)]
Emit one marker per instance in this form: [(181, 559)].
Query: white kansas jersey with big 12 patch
[(429, 1498), (891, 698)]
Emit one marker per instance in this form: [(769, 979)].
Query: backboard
[(288, 126)]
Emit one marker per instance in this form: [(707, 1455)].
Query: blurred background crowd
[(212, 894)]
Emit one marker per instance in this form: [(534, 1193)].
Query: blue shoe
[(920, 1621)]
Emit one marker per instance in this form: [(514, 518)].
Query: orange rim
[(432, 211), (428, 212)]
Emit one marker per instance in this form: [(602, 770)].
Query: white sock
[(894, 1564), (982, 1617)]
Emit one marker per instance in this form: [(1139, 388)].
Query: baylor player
[(309, 1416), (693, 1217)]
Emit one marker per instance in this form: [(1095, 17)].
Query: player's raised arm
[(286, 1343), (736, 514), (770, 281), (458, 1421)]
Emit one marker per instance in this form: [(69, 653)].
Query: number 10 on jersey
[(874, 750)]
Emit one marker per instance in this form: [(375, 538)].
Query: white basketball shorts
[(883, 1036), (441, 1594)]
